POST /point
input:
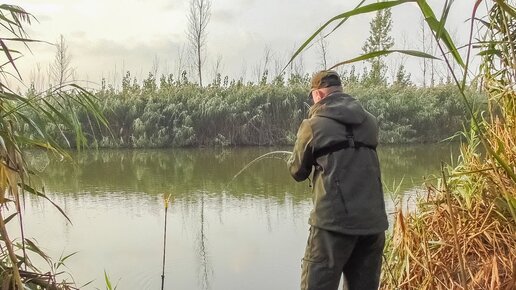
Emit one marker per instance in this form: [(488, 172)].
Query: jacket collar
[(328, 99)]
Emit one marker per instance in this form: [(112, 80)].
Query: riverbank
[(182, 114)]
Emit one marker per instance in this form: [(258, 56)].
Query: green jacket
[(347, 188)]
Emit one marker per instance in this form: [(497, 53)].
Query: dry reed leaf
[(495, 279), (3, 183)]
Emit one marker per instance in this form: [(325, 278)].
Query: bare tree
[(155, 66), (243, 71), (114, 75), (217, 70), (424, 43), (432, 66), (267, 55), (297, 67), (279, 62), (261, 69), (198, 19), (61, 70), (37, 78), (323, 50), (180, 62), (397, 63)]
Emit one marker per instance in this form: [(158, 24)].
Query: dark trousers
[(328, 255)]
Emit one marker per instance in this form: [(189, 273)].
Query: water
[(248, 234)]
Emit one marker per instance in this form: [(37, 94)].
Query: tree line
[(178, 110), (172, 112)]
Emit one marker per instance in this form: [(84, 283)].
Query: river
[(247, 234)]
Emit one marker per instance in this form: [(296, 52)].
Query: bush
[(179, 114)]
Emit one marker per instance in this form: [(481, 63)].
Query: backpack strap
[(348, 143)]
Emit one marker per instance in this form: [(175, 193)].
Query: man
[(347, 224)]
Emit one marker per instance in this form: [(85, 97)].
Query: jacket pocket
[(341, 196)]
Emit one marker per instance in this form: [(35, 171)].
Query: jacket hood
[(340, 107)]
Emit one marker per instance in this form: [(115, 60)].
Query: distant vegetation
[(177, 113), (182, 110)]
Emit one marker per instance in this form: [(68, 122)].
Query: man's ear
[(317, 95)]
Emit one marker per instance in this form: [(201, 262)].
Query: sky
[(105, 38)]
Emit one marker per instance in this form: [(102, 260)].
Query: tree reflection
[(206, 269)]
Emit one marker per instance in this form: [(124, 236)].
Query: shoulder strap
[(348, 143)]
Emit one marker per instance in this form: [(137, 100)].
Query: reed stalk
[(10, 251), (166, 199), (453, 222)]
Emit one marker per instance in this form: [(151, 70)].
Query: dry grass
[(463, 233), (423, 253)]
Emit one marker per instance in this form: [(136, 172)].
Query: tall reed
[(462, 235), (166, 200), (56, 107)]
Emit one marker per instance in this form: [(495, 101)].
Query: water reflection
[(205, 267), (183, 171), (222, 235)]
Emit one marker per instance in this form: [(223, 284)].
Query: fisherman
[(348, 220)]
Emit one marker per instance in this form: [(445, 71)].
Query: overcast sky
[(107, 37)]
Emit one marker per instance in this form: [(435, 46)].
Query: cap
[(324, 79)]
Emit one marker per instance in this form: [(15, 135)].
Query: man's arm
[(301, 162)]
